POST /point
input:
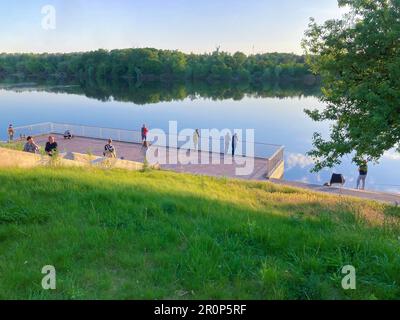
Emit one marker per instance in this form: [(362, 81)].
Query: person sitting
[(109, 150), (67, 135), (51, 147), (336, 180), (30, 146)]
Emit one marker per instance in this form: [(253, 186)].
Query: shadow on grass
[(112, 237)]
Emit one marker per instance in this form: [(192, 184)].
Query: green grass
[(15, 145), (158, 235)]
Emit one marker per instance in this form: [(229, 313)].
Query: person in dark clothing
[(109, 150), (234, 144), (67, 135), (51, 146), (144, 132), (363, 170)]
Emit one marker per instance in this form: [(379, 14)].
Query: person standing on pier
[(234, 144), (145, 131), (10, 133), (363, 170), (196, 137), (227, 142)]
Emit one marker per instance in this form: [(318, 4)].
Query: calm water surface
[(275, 120)]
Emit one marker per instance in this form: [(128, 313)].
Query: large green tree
[(358, 57)]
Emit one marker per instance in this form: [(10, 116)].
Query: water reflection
[(275, 111), (156, 92)]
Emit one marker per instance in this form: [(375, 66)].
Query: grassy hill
[(159, 235)]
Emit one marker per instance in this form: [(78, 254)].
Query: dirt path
[(370, 195)]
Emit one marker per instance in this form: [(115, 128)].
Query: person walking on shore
[(234, 144), (145, 131), (11, 133), (363, 172), (196, 138), (227, 142)]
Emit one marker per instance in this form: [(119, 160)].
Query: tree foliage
[(152, 64), (358, 58)]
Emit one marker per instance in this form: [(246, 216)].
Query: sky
[(250, 26)]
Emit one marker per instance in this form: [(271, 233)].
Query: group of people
[(110, 151), (230, 142), (11, 134), (50, 148), (338, 179)]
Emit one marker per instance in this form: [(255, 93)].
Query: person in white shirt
[(196, 137), (227, 142)]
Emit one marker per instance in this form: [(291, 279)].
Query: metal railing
[(275, 161), (273, 154)]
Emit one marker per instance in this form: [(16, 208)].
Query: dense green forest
[(157, 65)]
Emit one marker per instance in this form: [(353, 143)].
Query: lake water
[(276, 120)]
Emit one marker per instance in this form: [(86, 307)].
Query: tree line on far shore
[(148, 64)]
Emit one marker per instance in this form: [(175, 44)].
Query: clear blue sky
[(187, 25)]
